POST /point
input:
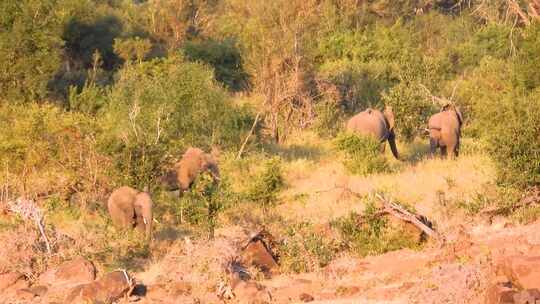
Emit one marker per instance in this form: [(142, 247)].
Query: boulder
[(69, 274), (499, 294), (8, 280), (522, 271), (528, 296), (257, 254), (251, 293), (305, 297), (108, 289)]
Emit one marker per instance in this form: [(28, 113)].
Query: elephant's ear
[(389, 115)]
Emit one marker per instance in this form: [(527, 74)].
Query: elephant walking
[(378, 124), (130, 208), (193, 162), (445, 131)]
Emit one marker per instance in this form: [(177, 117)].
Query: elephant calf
[(130, 208), (193, 162), (445, 131), (375, 123)]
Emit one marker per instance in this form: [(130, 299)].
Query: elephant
[(445, 131), (375, 123), (193, 162), (131, 208)]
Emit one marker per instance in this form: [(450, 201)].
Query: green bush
[(362, 154), (303, 249), (202, 204), (267, 185), (528, 57), (157, 107), (373, 236), (412, 108)]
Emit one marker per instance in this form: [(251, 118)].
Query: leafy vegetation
[(362, 154)]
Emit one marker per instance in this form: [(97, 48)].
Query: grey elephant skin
[(194, 161), (445, 131), (377, 124), (131, 208)]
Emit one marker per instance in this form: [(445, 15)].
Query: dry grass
[(418, 181)]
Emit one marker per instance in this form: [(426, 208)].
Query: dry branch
[(248, 136), (28, 210), (402, 214)]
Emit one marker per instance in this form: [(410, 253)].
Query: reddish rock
[(69, 274), (251, 293), (256, 254), (527, 296), (24, 295), (499, 294), (304, 297), (108, 289), (522, 271), (177, 289), (9, 279)]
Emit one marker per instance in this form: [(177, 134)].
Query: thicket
[(105, 92)]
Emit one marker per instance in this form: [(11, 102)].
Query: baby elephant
[(445, 131), (193, 162), (130, 208)]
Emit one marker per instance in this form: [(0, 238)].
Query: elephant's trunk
[(392, 142)]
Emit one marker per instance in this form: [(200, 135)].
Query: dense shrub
[(362, 154), (266, 186), (225, 59), (373, 235), (411, 107), (157, 107), (48, 150), (304, 249), (30, 47)]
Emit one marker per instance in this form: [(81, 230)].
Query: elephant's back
[(121, 197), (369, 122)]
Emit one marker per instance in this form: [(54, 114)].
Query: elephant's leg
[(444, 151), (433, 144)]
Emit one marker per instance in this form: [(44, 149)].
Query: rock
[(256, 254), (108, 289), (69, 274), (529, 296), (24, 295), (499, 294), (304, 297), (522, 271), (251, 293), (177, 289), (9, 279)]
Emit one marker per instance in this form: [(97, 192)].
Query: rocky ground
[(488, 263)]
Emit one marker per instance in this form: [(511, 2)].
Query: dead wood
[(407, 216)]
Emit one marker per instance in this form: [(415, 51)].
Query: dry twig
[(28, 210)]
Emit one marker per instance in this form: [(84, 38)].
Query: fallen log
[(407, 216)]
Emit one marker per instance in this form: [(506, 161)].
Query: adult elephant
[(193, 162), (445, 131), (380, 125), (131, 208)]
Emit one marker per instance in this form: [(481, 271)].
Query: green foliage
[(225, 59), (157, 107), (304, 249), (30, 48), (202, 204), (132, 49), (362, 154), (412, 109), (373, 235), (267, 185), (529, 57), (58, 146)]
